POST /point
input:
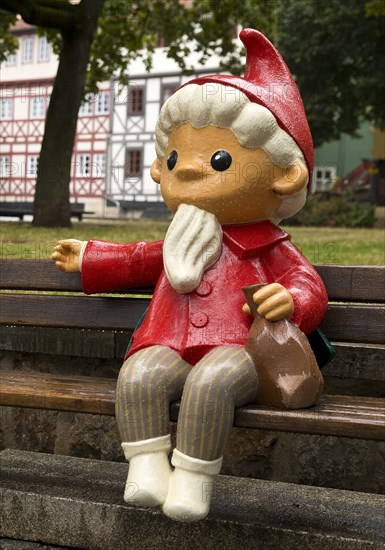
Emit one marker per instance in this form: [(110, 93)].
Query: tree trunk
[(52, 194)]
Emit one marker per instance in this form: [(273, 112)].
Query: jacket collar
[(245, 240)]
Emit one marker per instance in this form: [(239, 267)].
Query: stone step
[(9, 544), (77, 503)]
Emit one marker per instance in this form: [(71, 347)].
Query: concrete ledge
[(75, 502), (9, 544)]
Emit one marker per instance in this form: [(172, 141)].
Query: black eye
[(171, 160), (221, 160)]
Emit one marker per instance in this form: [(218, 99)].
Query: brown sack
[(288, 373)]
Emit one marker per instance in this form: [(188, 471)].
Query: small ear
[(293, 180), (155, 170)]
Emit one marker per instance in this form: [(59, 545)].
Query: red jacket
[(211, 316)]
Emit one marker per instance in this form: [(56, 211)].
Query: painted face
[(208, 168)]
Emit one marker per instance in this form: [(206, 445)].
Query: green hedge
[(334, 211)]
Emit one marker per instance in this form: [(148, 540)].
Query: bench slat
[(40, 274), (343, 283), (71, 311), (354, 283), (32, 274), (106, 344), (345, 416), (353, 361), (360, 323)]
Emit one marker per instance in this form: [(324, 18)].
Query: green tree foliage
[(324, 210), (334, 48), (375, 7), (8, 43), (96, 39), (336, 51)]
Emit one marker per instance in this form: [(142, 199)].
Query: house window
[(11, 59), (99, 166), (27, 50), (5, 166), (37, 107), (32, 166), (44, 49), (84, 166), (135, 104), (133, 164), (324, 177), (6, 109), (87, 107), (168, 91), (103, 103)]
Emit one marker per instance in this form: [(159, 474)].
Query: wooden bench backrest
[(356, 294)]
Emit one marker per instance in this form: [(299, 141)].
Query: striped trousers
[(153, 377)]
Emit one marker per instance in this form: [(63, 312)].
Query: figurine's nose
[(189, 171)]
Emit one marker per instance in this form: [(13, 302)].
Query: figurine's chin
[(192, 244)]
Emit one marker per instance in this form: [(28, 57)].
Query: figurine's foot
[(191, 487), (149, 471)]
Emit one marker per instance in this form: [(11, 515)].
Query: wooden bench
[(73, 324), (147, 209), (19, 209), (77, 502)]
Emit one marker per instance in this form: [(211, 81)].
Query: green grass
[(320, 245), (340, 245)]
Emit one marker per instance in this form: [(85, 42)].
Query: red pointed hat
[(268, 81)]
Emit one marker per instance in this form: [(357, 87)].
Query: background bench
[(70, 324), (19, 209), (145, 209)]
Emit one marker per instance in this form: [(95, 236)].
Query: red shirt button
[(199, 320), (204, 289)]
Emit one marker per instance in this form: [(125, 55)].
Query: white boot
[(149, 471), (191, 487)]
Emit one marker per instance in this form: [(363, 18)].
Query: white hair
[(253, 125)]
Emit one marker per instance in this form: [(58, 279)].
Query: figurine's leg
[(222, 380), (148, 381)]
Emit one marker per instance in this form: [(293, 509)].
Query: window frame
[(131, 111), (128, 163), (7, 114), (164, 88), (46, 48), (87, 106), (5, 167), (322, 183), (79, 168), (25, 40), (29, 173), (9, 62), (102, 99), (99, 160), (41, 112)]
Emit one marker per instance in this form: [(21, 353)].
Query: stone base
[(11, 544), (74, 502)]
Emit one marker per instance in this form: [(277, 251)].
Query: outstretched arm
[(67, 255), (109, 266)]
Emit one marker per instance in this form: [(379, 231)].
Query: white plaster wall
[(22, 72), (161, 64), (153, 89)]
